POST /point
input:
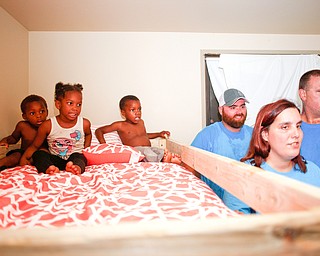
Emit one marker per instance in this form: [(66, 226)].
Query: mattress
[(105, 194)]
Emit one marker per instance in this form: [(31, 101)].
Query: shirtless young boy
[(133, 133), (34, 112)]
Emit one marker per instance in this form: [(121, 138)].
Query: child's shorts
[(152, 154)]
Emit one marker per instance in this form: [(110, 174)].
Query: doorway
[(263, 78)]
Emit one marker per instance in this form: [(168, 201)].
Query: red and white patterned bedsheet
[(105, 194)]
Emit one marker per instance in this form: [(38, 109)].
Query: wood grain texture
[(264, 191), (294, 233)]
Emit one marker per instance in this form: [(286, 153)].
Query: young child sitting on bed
[(133, 133), (67, 134), (34, 112)]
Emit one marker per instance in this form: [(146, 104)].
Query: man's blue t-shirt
[(219, 140), (310, 147)]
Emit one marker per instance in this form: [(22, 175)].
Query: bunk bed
[(288, 223)]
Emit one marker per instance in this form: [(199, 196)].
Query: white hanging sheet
[(262, 78)]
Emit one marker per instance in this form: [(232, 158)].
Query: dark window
[(212, 113)]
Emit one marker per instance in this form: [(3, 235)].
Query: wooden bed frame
[(289, 223)]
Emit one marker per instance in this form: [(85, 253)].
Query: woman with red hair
[(275, 146)]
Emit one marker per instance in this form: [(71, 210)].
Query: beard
[(232, 122)]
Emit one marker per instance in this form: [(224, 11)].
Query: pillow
[(111, 153), (111, 137)]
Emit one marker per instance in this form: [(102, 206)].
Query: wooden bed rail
[(295, 233), (264, 191)]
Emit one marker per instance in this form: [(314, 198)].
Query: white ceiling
[(209, 16)]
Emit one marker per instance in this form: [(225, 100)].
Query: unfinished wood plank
[(264, 191), (295, 233)]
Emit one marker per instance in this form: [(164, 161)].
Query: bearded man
[(230, 137)]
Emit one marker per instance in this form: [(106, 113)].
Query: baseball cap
[(230, 96)]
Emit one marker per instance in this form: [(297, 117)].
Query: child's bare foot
[(176, 159), (169, 157), (75, 169), (166, 156), (52, 170)]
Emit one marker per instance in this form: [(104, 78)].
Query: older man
[(309, 92)]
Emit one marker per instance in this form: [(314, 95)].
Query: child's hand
[(24, 161), (165, 134), (4, 144)]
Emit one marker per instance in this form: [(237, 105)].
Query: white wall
[(13, 71), (162, 69)]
